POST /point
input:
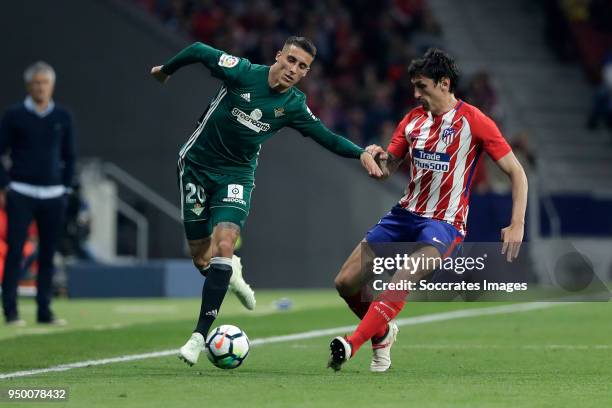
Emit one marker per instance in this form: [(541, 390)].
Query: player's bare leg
[(352, 285), (201, 253), (381, 312), (352, 278)]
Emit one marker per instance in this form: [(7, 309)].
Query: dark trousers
[(49, 217)]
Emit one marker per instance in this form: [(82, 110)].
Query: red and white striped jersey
[(443, 152)]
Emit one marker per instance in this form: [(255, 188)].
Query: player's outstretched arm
[(310, 126), (196, 52), (220, 64), (512, 235)]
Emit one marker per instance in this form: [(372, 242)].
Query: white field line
[(35, 331), (408, 321), (538, 347)]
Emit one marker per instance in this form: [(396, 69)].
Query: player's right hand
[(159, 74)]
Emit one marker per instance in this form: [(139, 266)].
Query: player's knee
[(225, 248), (344, 285)]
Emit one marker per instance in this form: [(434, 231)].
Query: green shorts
[(208, 199)]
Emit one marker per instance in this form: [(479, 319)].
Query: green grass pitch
[(559, 356)]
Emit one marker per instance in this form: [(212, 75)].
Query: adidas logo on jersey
[(246, 96)]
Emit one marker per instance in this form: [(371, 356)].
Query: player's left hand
[(512, 237), (158, 74), (368, 162)]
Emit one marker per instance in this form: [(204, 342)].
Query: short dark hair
[(302, 42), (435, 64)]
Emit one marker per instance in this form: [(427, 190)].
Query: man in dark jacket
[(39, 136)]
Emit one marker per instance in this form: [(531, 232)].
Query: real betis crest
[(197, 209)]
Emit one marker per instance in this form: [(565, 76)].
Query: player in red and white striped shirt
[(444, 150), (443, 140)]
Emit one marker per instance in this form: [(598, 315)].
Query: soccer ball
[(227, 346)]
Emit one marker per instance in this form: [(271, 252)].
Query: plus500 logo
[(433, 161)]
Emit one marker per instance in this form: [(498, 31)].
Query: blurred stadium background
[(542, 69)]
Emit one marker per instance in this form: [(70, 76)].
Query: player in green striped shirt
[(216, 166)]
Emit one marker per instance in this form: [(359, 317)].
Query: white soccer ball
[(227, 346)]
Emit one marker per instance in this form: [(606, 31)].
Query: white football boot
[(381, 350), (239, 287), (190, 352), (16, 323), (341, 351)]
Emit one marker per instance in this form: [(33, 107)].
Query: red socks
[(359, 303), (379, 314)]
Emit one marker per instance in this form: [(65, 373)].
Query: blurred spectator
[(600, 12), (557, 30), (378, 113), (581, 30), (386, 133), (364, 48), (601, 109), (175, 13), (481, 93), (523, 151), (39, 136), (429, 34), (495, 180)]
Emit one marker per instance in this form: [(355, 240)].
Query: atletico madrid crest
[(448, 135)]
